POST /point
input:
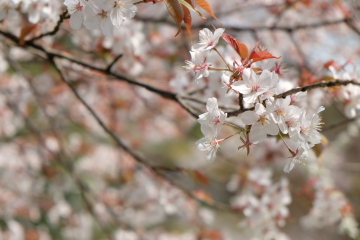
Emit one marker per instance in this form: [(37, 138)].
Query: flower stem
[(234, 126), (222, 58), (218, 69)]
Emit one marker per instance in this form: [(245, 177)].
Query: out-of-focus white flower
[(350, 97), (349, 226), (210, 145), (298, 157), (208, 40), (261, 176), (36, 9), (6, 8)]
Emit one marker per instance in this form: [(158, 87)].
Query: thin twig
[(140, 160), (108, 69), (63, 16)]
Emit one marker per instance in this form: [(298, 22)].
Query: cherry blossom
[(122, 10), (198, 64), (210, 145), (100, 17), (308, 129), (212, 121), (6, 8), (254, 85), (76, 10), (261, 123), (208, 40), (298, 157), (278, 108)]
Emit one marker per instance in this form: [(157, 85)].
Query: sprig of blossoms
[(211, 123), (256, 88)]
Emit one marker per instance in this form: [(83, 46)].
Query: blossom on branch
[(254, 85), (123, 9), (198, 64), (76, 9), (210, 145), (261, 123), (212, 121), (307, 132), (208, 40), (298, 157)]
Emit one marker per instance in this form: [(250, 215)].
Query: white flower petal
[(249, 117)]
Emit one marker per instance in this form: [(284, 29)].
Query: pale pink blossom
[(254, 85), (198, 64), (212, 121), (261, 123), (208, 40)]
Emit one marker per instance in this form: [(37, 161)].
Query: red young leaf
[(206, 6), (261, 55), (239, 47), (330, 63)]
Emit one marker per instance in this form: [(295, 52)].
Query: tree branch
[(63, 16), (155, 170), (322, 84)]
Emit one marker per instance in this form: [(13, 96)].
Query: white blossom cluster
[(271, 116), (330, 207), (263, 203), (349, 96), (105, 14), (37, 10)]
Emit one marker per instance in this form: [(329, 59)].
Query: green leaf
[(186, 4)]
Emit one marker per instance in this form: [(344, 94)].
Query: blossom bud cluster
[(105, 14), (272, 115)]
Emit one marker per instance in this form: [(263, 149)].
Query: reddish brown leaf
[(206, 6), (176, 11), (201, 177), (211, 234), (25, 31), (187, 19), (261, 55), (239, 47), (201, 194)]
